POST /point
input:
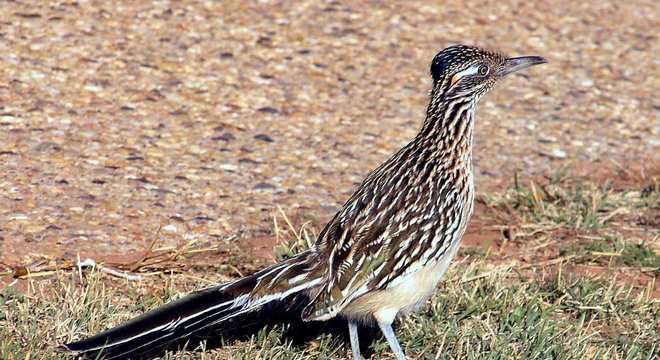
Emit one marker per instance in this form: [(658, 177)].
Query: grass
[(574, 202), (572, 278)]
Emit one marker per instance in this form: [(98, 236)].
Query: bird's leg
[(355, 343), (387, 330)]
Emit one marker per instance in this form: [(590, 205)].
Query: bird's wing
[(374, 239)]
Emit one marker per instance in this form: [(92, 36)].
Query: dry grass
[(574, 277)]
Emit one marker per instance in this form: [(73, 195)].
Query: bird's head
[(467, 71)]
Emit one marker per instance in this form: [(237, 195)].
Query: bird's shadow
[(295, 331)]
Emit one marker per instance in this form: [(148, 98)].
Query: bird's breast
[(407, 295)]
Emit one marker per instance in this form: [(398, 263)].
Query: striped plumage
[(383, 253)]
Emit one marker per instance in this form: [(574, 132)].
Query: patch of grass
[(640, 255), (291, 239), (572, 202), (597, 224), (494, 305), (488, 318), (616, 250)]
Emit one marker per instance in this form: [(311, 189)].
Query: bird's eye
[(483, 70)]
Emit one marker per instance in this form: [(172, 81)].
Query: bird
[(383, 253)]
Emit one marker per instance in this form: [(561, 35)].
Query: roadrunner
[(382, 255)]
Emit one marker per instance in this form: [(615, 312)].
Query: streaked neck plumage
[(448, 128)]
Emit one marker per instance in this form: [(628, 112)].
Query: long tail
[(224, 306)]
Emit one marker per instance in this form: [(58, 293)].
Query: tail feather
[(222, 306)]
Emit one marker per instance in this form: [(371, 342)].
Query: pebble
[(264, 137), (268, 110), (18, 217), (547, 139), (554, 154), (558, 153), (227, 137), (92, 88), (587, 83), (263, 186), (169, 228), (229, 167), (10, 119)]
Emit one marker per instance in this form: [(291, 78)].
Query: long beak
[(519, 63)]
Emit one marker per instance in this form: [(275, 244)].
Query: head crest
[(456, 56)]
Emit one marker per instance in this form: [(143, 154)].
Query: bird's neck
[(448, 130)]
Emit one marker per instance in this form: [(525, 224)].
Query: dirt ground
[(125, 122)]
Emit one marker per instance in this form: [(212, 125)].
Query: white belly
[(407, 295)]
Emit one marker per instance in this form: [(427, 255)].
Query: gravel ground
[(201, 117)]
